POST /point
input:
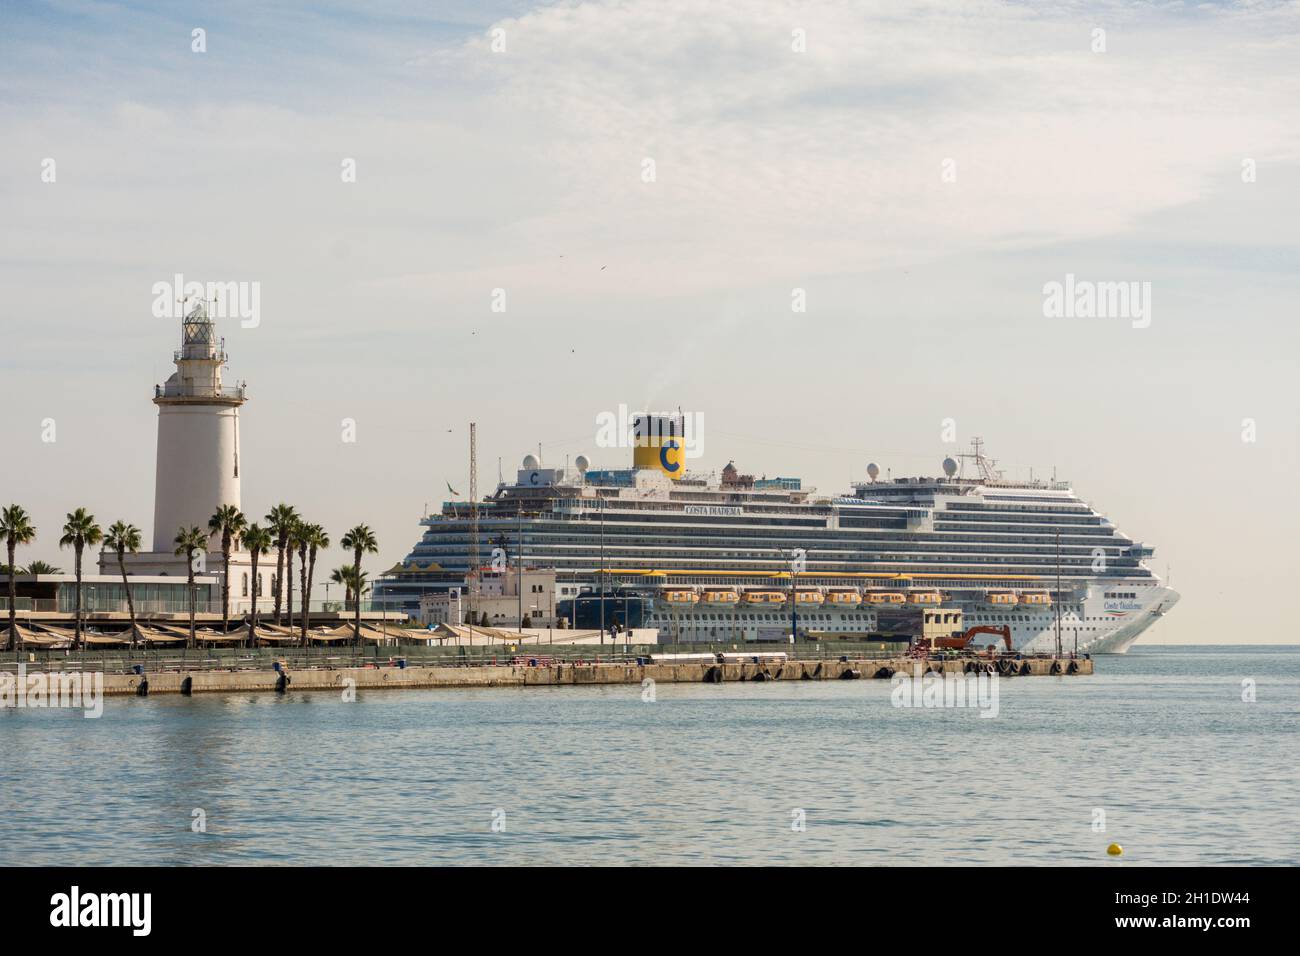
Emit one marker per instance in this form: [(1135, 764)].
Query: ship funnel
[(658, 444)]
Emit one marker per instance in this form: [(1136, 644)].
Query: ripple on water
[(1160, 740)]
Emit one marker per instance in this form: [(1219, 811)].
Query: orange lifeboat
[(720, 596), (1001, 598), (886, 597), (683, 596)]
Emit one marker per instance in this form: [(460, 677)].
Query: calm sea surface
[(1160, 740)]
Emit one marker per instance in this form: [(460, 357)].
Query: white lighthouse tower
[(198, 434)]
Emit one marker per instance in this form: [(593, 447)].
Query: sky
[(649, 188)]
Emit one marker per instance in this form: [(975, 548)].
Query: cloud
[(772, 163)]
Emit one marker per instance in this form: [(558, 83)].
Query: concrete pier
[(560, 674)]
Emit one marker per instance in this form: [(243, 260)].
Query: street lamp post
[(796, 557), (601, 508)]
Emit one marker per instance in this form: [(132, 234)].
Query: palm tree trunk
[(190, 578), (130, 603), (77, 635), (303, 596), (225, 584), (306, 604), (356, 607), (252, 616), (13, 600), (288, 594), (279, 580)]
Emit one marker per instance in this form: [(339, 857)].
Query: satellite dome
[(949, 467), (582, 464), (873, 471), (530, 462)]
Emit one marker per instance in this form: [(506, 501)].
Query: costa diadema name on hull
[(711, 558)]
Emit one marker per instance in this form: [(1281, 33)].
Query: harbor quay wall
[(563, 674)]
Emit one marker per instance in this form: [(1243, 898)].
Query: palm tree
[(17, 528), (279, 522), (316, 539), (229, 522), (189, 542), (40, 567), (360, 540), (78, 531), (300, 541), (345, 575), (341, 575), (123, 537), (290, 546), (359, 592), (258, 542)]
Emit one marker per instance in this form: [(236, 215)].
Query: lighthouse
[(198, 434)]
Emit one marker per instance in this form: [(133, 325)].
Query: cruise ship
[(731, 557)]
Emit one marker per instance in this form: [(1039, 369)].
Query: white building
[(198, 464), (499, 598)]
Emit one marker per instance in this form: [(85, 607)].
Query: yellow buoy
[(1114, 849)]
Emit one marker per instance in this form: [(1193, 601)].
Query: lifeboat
[(928, 598), (886, 597), (809, 596), (1001, 598), (1036, 598), (680, 596), (844, 596), (720, 596), (764, 597)]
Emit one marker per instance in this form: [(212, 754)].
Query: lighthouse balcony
[(203, 352), (188, 391)]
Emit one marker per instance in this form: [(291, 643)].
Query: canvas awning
[(33, 638), (157, 637), (105, 639)]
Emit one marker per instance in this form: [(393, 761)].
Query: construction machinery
[(962, 641)]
